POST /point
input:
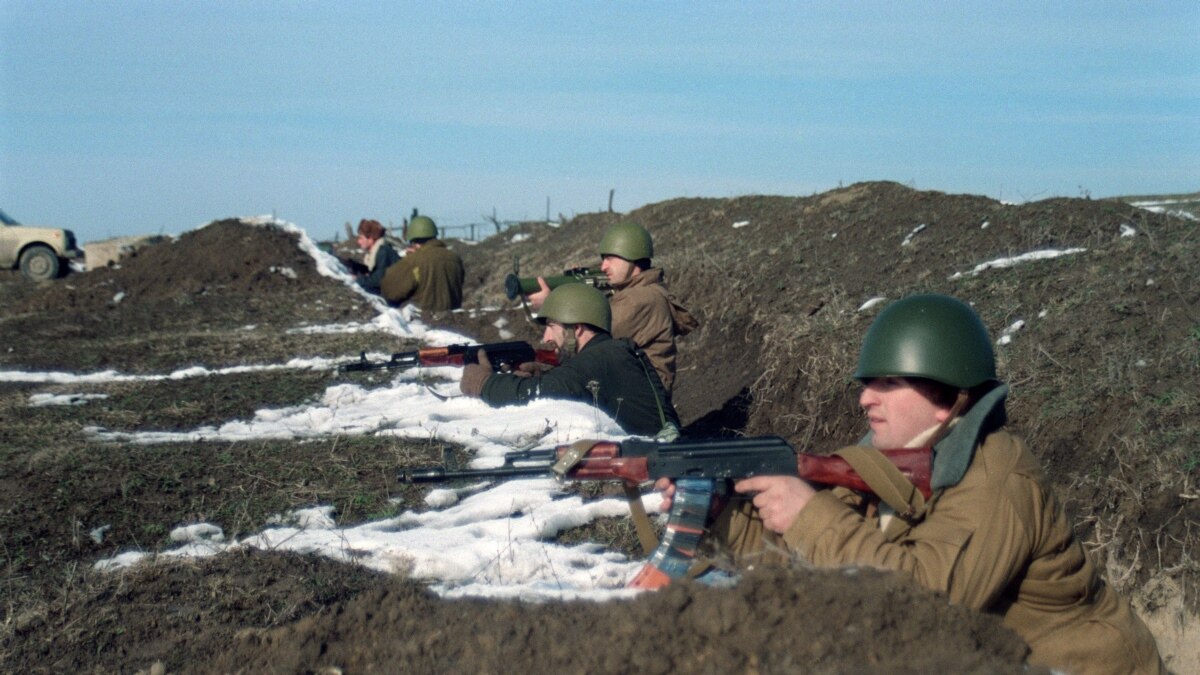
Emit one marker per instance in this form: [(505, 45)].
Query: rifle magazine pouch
[(885, 480)]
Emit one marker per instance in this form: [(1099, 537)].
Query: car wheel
[(39, 263)]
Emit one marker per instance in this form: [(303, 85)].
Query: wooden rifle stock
[(915, 463), (605, 462), (458, 355), (504, 357)]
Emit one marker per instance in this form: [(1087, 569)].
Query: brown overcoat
[(996, 540), (644, 311)]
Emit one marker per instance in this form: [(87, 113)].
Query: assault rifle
[(701, 469), (353, 266), (515, 285), (504, 357)]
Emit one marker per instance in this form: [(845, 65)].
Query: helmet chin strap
[(960, 402), (570, 343)]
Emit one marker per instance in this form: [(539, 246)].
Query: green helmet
[(421, 227), (627, 240), (931, 336), (577, 303)]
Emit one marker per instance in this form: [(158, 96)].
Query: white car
[(41, 253)]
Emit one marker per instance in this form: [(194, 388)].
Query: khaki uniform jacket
[(626, 386), (644, 311), (431, 277), (997, 541)]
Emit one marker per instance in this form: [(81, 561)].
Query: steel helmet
[(577, 303), (627, 240), (931, 336), (421, 227)]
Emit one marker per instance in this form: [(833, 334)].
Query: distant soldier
[(429, 275), (643, 309), (594, 367), (992, 536), (378, 254)]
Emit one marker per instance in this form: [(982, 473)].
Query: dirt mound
[(310, 614), (182, 614), (1104, 355), (226, 257), (759, 269), (225, 275), (774, 621)]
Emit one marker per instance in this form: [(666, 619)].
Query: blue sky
[(143, 117)]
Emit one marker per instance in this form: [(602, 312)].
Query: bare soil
[(1104, 374)]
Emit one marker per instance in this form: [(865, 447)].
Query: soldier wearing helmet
[(429, 275), (378, 254), (643, 309), (593, 367), (992, 536)]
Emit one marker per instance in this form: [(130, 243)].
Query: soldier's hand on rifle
[(667, 487), (779, 499), (475, 375), (536, 300), (532, 369)]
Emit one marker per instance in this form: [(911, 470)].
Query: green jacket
[(431, 277), (627, 386)]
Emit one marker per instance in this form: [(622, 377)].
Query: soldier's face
[(554, 333), (618, 269), (898, 409), (364, 243)]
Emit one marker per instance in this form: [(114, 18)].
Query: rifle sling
[(573, 455), (641, 521), (885, 480), (637, 511)]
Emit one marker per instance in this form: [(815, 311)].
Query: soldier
[(430, 275), (993, 536), (643, 309), (378, 254), (612, 373)]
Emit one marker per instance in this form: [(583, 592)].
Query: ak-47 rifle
[(504, 357), (701, 470), (353, 266), (515, 285)]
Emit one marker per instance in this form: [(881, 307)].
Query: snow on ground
[(485, 540), (489, 539), (1001, 263), (1164, 206)]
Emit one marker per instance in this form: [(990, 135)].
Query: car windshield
[(6, 220)]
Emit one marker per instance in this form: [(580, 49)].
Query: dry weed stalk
[(806, 359)]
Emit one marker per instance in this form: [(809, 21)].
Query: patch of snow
[(871, 303), (1001, 263), (1006, 336), (39, 400), (908, 240)]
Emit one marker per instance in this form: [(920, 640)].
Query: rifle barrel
[(436, 474)]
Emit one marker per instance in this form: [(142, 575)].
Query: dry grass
[(803, 387)]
